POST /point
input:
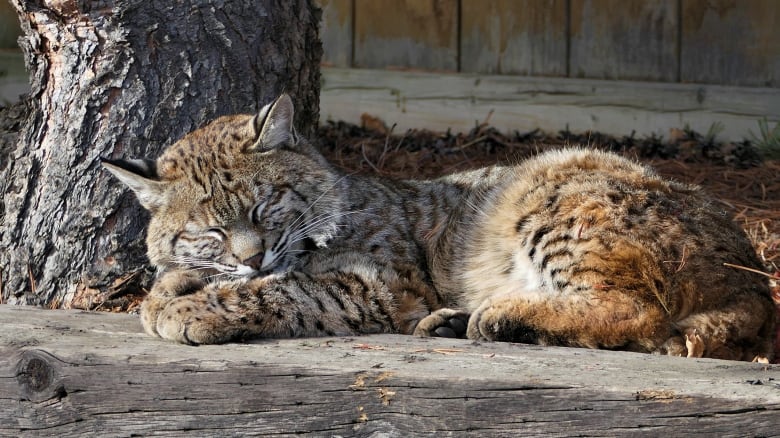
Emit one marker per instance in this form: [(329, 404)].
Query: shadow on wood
[(66, 373)]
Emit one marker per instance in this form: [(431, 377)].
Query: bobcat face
[(259, 232), (241, 196)]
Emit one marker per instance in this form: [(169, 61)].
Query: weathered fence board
[(723, 42), (14, 79), (526, 37), (9, 26), (336, 31), (733, 42), (624, 39), (460, 101), (420, 34), (67, 373)]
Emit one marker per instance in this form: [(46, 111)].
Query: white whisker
[(294, 223)]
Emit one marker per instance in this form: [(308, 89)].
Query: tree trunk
[(126, 78)]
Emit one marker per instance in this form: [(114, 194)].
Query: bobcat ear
[(273, 125), (141, 177)]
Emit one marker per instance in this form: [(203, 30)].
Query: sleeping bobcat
[(255, 234)]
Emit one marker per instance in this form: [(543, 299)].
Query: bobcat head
[(243, 195)]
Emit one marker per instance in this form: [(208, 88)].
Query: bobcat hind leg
[(740, 331), (614, 321)]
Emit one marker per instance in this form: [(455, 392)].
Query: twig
[(32, 279), (471, 143), (368, 347), (681, 262), (363, 151), (385, 149), (487, 118), (447, 351), (444, 351), (755, 271)]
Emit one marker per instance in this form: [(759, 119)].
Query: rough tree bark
[(126, 78)]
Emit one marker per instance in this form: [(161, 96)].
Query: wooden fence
[(725, 42), (614, 66)]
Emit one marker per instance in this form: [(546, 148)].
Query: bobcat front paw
[(189, 319), (169, 286), (494, 321), (478, 329), (443, 323)]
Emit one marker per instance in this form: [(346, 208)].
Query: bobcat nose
[(255, 262)]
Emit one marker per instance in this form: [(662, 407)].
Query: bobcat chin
[(255, 234)]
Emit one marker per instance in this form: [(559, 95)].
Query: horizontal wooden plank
[(68, 373), (460, 101)]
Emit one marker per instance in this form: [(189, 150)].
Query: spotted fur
[(255, 234)]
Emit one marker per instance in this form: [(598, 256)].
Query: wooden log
[(68, 373), (461, 101)]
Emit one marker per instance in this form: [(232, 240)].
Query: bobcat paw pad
[(443, 323)]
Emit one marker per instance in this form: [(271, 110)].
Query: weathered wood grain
[(336, 31), (443, 101), (624, 39), (421, 34), (67, 373), (731, 42), (526, 37)]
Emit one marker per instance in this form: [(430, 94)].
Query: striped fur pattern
[(255, 234)]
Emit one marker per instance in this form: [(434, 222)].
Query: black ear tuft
[(141, 176), (142, 167), (273, 125)]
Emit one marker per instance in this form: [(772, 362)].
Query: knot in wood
[(35, 374), (37, 377)]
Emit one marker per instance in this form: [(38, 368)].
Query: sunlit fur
[(256, 235)]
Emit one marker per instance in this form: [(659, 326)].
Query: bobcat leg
[(212, 315), (735, 332), (168, 286), (334, 304), (612, 321)]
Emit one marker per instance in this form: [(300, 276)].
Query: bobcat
[(255, 234)]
